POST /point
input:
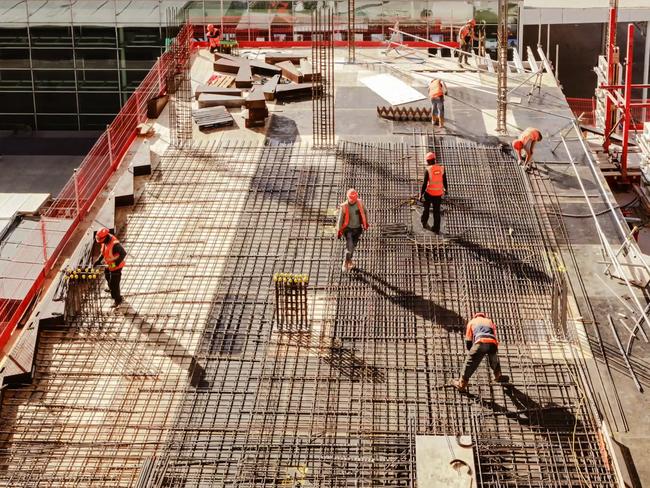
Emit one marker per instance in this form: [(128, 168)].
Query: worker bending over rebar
[(434, 186), (466, 37), (480, 340), (113, 254), (526, 143), (352, 221)]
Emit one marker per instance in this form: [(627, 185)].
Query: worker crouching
[(480, 340), (526, 144), (113, 255), (352, 222)]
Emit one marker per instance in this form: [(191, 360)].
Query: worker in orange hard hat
[(526, 143), (212, 34), (113, 254), (466, 36), (434, 186), (480, 340), (352, 222)]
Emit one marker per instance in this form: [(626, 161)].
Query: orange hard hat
[(352, 195), (479, 314), (101, 234), (431, 156), (210, 26), (471, 21), (518, 145)]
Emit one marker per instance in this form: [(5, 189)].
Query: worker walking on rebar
[(213, 36), (480, 340), (113, 254), (437, 92), (466, 39), (434, 186), (526, 143), (352, 222)]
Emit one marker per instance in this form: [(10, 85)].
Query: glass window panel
[(95, 36), (17, 102), (15, 79), (54, 80), (14, 58), (95, 122), (140, 36), (52, 58), (96, 58), (58, 103), (49, 12), (57, 122), (51, 36), (98, 80), (140, 57), (10, 37), (132, 79), (99, 103), (16, 122)]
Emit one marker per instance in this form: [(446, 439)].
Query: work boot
[(107, 290), (434, 119), (441, 122), (426, 226), (344, 266), (501, 378), (350, 265), (460, 384), (117, 303)]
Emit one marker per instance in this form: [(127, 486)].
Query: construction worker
[(437, 92), (465, 39), (480, 340), (113, 254), (352, 221), (434, 186), (213, 37), (526, 142)]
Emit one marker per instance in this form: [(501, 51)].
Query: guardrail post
[(44, 239), (159, 70), (76, 189), (110, 147)]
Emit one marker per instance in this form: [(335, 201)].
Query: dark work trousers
[(430, 201), (351, 240), (476, 354), (465, 47), (113, 279)]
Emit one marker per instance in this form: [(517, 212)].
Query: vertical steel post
[(351, 32), (627, 121), (611, 64), (646, 68), (76, 190)]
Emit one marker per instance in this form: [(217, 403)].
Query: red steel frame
[(79, 193), (616, 101)]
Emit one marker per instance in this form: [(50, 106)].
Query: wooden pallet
[(207, 118), (220, 81)]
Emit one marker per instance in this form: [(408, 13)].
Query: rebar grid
[(337, 404), (322, 52)]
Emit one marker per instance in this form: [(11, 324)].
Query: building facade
[(71, 64)]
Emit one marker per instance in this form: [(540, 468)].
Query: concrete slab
[(444, 461)]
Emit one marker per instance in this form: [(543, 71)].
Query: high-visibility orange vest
[(109, 257), (346, 215), (465, 31), (481, 329), (435, 89), (435, 185), (530, 134)]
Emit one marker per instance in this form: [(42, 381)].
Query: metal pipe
[(625, 356), (627, 121), (611, 45)]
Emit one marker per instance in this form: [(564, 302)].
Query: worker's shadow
[(551, 417), (169, 345), (506, 261), (340, 358), (420, 306)]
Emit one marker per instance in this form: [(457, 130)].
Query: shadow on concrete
[(420, 306), (169, 345)]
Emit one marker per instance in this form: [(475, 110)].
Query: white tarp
[(391, 89)]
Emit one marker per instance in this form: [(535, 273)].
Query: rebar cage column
[(502, 80), (322, 51)]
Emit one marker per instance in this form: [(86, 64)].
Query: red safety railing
[(585, 107), (79, 193)]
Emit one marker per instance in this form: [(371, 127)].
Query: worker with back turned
[(113, 254), (480, 340), (434, 186), (351, 223)]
